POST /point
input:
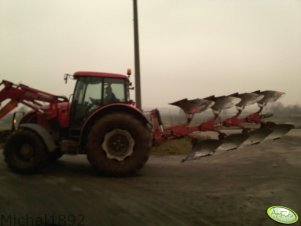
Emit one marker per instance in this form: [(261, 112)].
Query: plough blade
[(269, 96), (279, 131), (211, 146), (247, 98), (223, 102), (232, 141), (257, 135), (202, 148), (193, 106)]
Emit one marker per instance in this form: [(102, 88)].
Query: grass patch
[(173, 147), (177, 147)]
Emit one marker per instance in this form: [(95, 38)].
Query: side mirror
[(131, 86), (66, 76)]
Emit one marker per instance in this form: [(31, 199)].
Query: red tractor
[(102, 122)]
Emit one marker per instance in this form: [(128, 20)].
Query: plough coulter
[(102, 122)]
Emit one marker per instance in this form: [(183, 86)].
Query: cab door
[(88, 93)]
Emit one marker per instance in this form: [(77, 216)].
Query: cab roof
[(98, 74)]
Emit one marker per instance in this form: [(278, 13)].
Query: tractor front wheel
[(24, 152), (118, 144)]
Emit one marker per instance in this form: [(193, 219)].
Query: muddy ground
[(229, 189)]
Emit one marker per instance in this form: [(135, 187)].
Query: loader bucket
[(279, 131), (257, 135), (193, 106), (202, 148), (269, 96), (223, 102)]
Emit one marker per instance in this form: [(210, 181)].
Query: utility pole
[(137, 57)]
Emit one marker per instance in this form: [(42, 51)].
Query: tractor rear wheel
[(24, 152), (118, 144)]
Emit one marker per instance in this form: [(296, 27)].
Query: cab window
[(93, 92), (114, 90)]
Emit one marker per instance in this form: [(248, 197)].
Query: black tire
[(55, 155), (120, 121), (29, 162)]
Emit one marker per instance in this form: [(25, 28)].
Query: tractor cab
[(94, 90)]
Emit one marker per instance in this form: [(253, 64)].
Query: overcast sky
[(192, 48)]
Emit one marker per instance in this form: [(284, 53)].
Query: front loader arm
[(26, 95)]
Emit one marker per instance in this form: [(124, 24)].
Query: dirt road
[(228, 189)]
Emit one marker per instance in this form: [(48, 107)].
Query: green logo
[(282, 214)]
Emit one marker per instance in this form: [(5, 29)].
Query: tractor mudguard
[(98, 113), (42, 133)]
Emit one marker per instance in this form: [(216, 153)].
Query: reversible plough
[(265, 130)]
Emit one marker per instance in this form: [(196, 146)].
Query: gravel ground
[(229, 189)]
